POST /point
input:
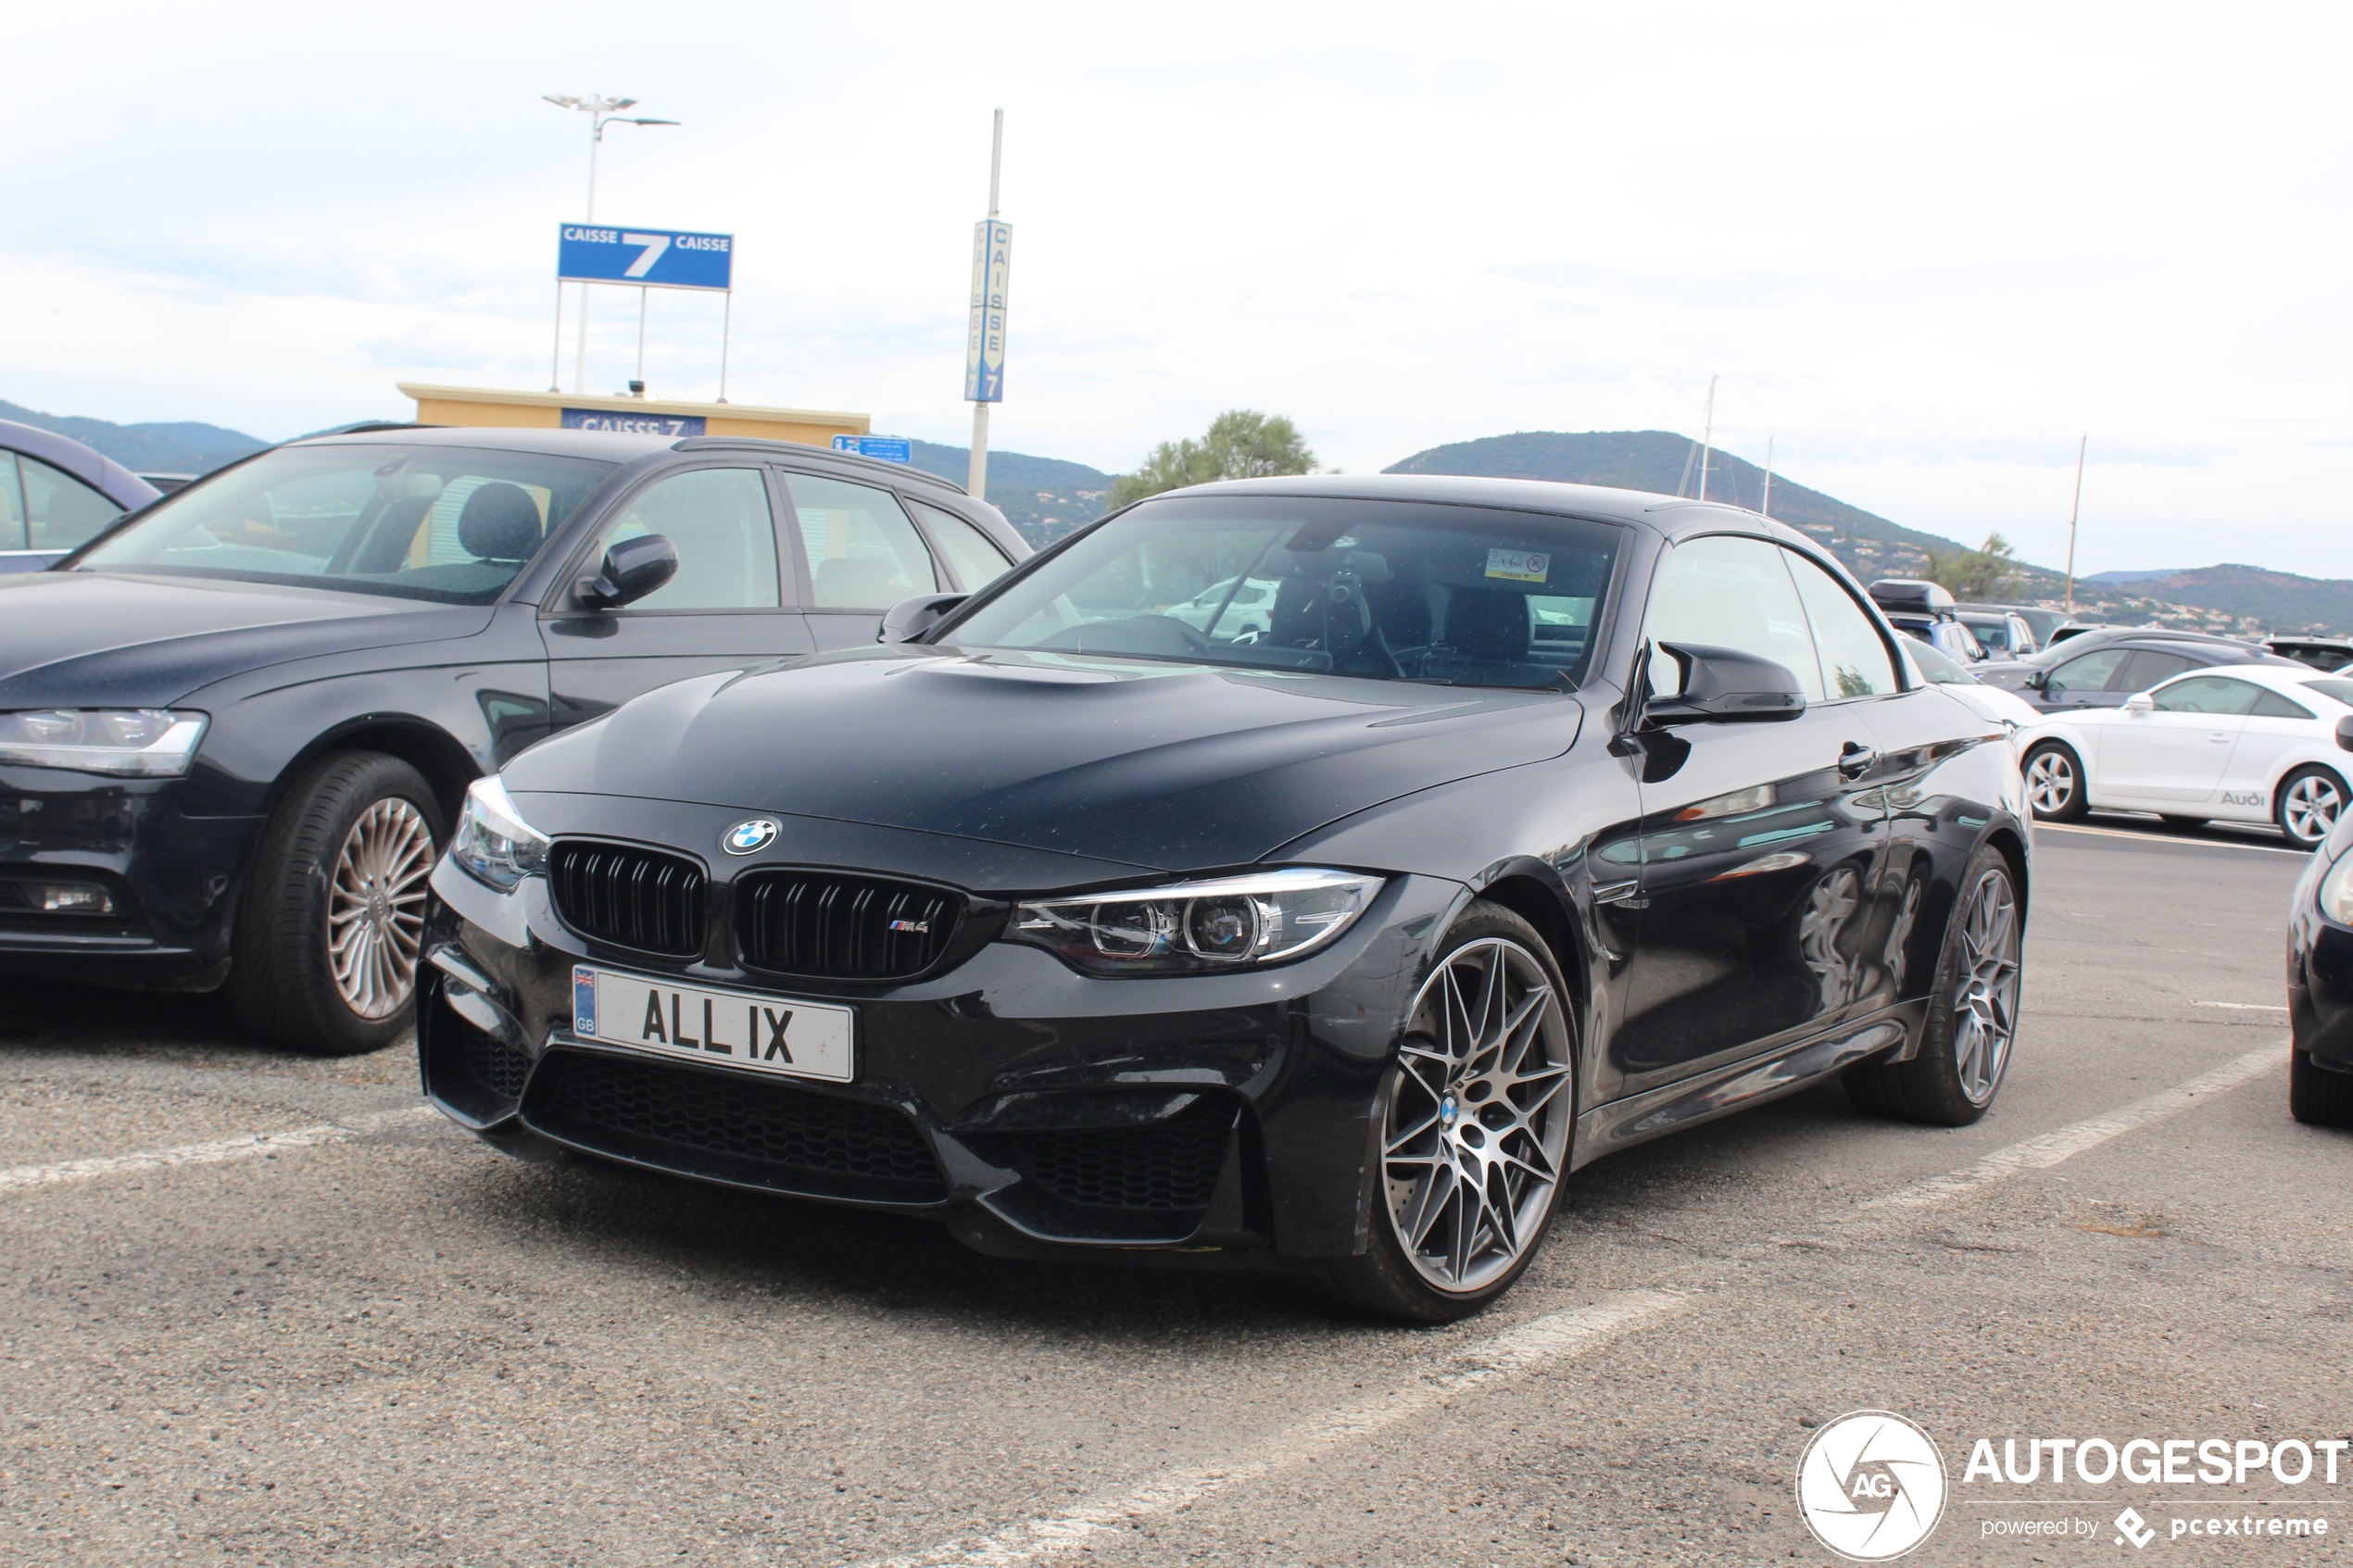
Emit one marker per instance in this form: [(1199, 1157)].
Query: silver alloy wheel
[(2309, 808), (1477, 1128), (2050, 783), (1985, 991), (376, 907)]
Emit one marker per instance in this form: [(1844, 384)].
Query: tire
[(1454, 1104), (2307, 804), (1952, 1079), (348, 849), (2316, 1095), (2055, 790), (2183, 824)]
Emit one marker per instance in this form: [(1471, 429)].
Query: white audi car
[(2246, 742)]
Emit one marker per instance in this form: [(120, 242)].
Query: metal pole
[(1707, 437), (580, 355), (1767, 509), (556, 359), (642, 292), (976, 474), (726, 320), (2073, 512)]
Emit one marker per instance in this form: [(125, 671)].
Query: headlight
[(1196, 927), (493, 843), (2336, 891), (132, 743)]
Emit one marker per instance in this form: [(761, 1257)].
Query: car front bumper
[(1031, 1107), (170, 875)]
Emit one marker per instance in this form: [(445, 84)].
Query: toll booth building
[(651, 415)]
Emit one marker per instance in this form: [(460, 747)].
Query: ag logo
[(750, 838), (1870, 1486)]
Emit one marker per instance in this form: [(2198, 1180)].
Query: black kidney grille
[(495, 1065), (751, 1119), (842, 927), (632, 898), (1167, 1165)]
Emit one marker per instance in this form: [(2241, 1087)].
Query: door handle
[(1856, 760)]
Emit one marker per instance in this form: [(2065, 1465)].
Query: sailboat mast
[(1707, 437), (2073, 513), (1767, 509)]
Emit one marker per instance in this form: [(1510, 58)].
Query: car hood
[(89, 639), (1170, 766)]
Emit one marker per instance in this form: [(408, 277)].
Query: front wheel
[(2055, 783), (325, 950), (2308, 803), (1474, 1124), (2316, 1095), (1972, 1011)]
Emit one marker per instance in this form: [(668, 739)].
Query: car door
[(970, 557), (725, 609), (2274, 727), (859, 553), (1759, 843), (2178, 749)]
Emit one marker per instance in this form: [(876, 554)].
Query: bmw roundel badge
[(750, 838)]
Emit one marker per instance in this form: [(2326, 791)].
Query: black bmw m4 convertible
[(1300, 874)]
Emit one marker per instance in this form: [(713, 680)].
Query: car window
[(448, 523), (2272, 705), (2148, 667), (2089, 674), (2207, 693), (1724, 591), (13, 535), (726, 536), (2341, 690), (1856, 661), (864, 554), (971, 559), (1941, 668), (61, 512)]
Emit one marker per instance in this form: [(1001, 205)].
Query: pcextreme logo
[(1870, 1486)]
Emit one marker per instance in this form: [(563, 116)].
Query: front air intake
[(629, 896), (836, 927)]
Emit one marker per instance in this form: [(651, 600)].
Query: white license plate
[(782, 1034)]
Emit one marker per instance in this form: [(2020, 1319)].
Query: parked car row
[(55, 494)]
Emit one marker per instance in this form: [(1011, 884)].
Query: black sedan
[(2320, 984), (2101, 669), (234, 731), (1512, 824)]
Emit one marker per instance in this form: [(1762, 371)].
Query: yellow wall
[(477, 406)]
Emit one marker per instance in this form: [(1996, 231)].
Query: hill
[(1044, 497), (179, 446)]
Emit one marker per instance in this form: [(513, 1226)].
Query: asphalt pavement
[(267, 1310)]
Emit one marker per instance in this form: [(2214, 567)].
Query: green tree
[(1241, 443), (1980, 573)]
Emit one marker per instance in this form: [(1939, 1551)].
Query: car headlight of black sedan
[(1198, 927), (126, 743), (493, 843)]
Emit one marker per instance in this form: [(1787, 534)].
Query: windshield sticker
[(1518, 566)]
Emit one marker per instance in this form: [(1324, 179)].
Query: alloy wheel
[(1985, 991), (2050, 783), (1477, 1129), (376, 907), (2309, 808)]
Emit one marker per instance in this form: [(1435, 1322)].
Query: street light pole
[(601, 111), (2073, 513), (977, 467)]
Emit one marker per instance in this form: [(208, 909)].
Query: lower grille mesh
[(495, 1065), (1167, 1165), (749, 1118)]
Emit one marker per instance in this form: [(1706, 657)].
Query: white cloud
[(1925, 247)]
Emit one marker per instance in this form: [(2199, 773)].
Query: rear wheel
[(327, 936), (2316, 1095), (2055, 783), (2308, 805), (1474, 1123), (1973, 1016)]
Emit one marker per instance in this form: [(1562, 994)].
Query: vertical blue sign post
[(985, 348)]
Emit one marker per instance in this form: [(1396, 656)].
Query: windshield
[(1940, 666), (1387, 590), (432, 522)]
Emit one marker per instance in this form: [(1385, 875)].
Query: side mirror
[(1725, 685), (2140, 705), (631, 570), (910, 618), (2039, 681)]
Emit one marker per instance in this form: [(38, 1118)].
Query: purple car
[(55, 494)]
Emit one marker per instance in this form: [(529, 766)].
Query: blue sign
[(659, 258), (888, 448), (629, 423), (985, 342)]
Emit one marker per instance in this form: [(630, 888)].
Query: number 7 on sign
[(655, 245)]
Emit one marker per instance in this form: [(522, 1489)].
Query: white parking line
[(60, 1172), (2162, 838), (2248, 1007), (1555, 1337)]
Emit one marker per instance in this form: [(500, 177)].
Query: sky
[(1923, 248)]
